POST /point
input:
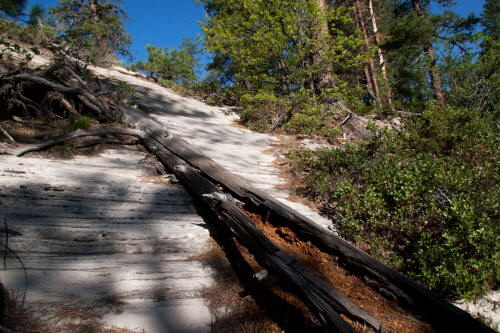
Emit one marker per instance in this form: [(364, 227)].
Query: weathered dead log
[(440, 312), (322, 299), (73, 135), (326, 303)]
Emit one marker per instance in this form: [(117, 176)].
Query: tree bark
[(7, 135), (369, 76), (433, 73), (380, 53), (325, 74)]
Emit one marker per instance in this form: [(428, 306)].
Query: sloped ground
[(96, 234), (213, 131)]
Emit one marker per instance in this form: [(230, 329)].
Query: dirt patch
[(389, 313), (230, 308)]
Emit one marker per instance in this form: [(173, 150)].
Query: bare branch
[(11, 139), (76, 134)]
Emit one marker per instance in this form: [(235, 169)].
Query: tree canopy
[(92, 29)]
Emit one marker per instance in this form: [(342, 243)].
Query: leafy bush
[(262, 111), (79, 122), (315, 120), (425, 200), (301, 114)]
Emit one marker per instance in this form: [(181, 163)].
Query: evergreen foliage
[(13, 8), (172, 65), (272, 54), (425, 200), (92, 30)]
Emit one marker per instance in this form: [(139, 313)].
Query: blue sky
[(165, 22), (156, 22)]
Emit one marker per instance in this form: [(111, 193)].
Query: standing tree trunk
[(380, 53), (361, 25), (433, 73), (325, 74)]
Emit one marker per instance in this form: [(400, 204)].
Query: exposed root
[(76, 134)]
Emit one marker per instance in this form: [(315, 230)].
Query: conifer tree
[(15, 9), (409, 31), (429, 50), (172, 64), (281, 46), (92, 29), (12, 8)]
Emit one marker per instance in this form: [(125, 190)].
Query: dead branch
[(4, 131), (346, 119), (73, 135), (57, 96), (83, 94), (406, 114)]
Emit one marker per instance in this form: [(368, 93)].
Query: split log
[(321, 298), (440, 312)]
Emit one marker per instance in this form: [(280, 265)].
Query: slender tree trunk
[(380, 53), (325, 74), (361, 24), (433, 73)]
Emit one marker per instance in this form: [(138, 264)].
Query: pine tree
[(429, 50), (490, 19), (172, 65), (281, 46), (371, 79), (408, 32), (13, 8), (92, 29)]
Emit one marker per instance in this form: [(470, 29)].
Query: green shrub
[(424, 200), (262, 111), (315, 120), (80, 122)]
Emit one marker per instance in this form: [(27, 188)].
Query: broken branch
[(4, 131), (77, 134)]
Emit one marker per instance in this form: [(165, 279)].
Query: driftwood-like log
[(317, 293), (73, 135), (325, 304), (440, 312), (324, 301)]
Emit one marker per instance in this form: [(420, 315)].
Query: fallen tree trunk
[(177, 154), (324, 302), (440, 312)]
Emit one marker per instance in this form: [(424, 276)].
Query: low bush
[(425, 200), (78, 122)]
